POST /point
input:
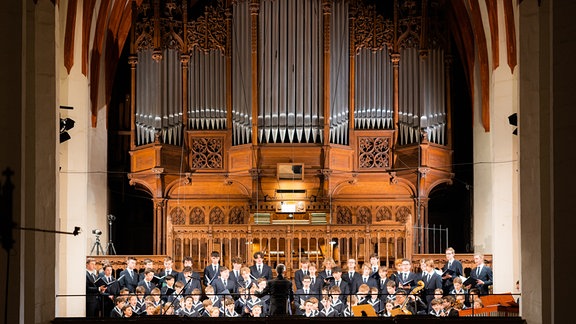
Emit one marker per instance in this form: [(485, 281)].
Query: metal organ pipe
[(289, 55), (241, 72), (339, 73), (207, 102), (373, 102)]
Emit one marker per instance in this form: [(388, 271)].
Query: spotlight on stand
[(513, 120)]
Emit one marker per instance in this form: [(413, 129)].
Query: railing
[(434, 239), (288, 243), (493, 305)]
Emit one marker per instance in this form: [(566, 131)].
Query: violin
[(402, 310)]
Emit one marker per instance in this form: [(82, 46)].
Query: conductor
[(280, 291)]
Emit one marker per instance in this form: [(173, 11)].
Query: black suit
[(344, 289), (456, 266), (316, 284), (411, 276), (130, 282), (236, 279), (266, 272), (323, 274), (194, 283), (382, 286), (92, 296), (301, 297), (246, 284), (298, 277), (430, 285), (354, 282), (485, 275), (221, 290), (210, 274), (172, 273), (147, 286), (280, 291), (374, 274), (112, 290), (371, 282), (182, 279)]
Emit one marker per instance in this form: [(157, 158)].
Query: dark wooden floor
[(299, 320)]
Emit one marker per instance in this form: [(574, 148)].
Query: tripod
[(110, 246), (97, 246)]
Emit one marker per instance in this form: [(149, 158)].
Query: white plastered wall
[(83, 165), (496, 174)]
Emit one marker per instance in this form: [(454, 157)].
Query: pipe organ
[(349, 96)]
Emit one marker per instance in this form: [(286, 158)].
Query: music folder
[(407, 283), (364, 310), (448, 271), (102, 282), (156, 280), (469, 281)]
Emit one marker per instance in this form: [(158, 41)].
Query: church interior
[(297, 128)]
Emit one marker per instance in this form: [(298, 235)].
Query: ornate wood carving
[(237, 216), (208, 32), (374, 152), (402, 214), (343, 215), (197, 216), (172, 27), (364, 215), (177, 216), (371, 31), (144, 28), (216, 216), (207, 152), (383, 214)]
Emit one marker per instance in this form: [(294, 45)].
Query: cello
[(402, 310)]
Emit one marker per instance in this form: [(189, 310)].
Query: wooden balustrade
[(287, 243)]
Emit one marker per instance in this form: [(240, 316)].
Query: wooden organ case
[(299, 128)]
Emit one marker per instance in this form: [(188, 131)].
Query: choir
[(235, 291)]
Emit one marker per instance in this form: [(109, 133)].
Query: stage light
[(513, 120), (66, 124)]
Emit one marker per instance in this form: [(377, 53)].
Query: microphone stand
[(181, 293)]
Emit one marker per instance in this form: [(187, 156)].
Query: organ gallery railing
[(287, 243)]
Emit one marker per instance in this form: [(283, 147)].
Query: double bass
[(402, 310)]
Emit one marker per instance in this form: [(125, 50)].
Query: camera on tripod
[(96, 232), (111, 218)]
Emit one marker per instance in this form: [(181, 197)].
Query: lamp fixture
[(66, 124)]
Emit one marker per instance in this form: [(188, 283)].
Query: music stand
[(364, 310)]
